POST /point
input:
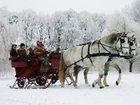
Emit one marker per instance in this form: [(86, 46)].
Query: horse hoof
[(62, 86), (117, 83), (93, 85), (75, 86), (101, 87)]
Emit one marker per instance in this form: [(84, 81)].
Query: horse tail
[(62, 70)]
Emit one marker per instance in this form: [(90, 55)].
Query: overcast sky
[(51, 6)]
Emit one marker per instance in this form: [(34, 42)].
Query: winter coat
[(39, 51), (21, 54)]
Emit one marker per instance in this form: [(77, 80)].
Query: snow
[(127, 93)]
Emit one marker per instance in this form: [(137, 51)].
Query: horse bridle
[(131, 41), (122, 41)]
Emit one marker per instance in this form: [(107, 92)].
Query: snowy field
[(127, 93)]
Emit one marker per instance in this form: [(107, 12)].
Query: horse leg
[(98, 81), (119, 71), (85, 75), (76, 72), (106, 69), (69, 73)]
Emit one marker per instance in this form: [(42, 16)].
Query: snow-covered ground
[(127, 93)]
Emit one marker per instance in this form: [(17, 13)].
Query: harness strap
[(88, 55), (76, 62), (105, 54), (99, 46), (82, 53), (105, 47)]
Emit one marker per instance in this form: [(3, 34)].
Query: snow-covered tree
[(71, 30), (57, 28), (8, 34), (27, 23), (120, 23), (134, 11)]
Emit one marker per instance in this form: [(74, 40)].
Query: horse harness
[(108, 53)]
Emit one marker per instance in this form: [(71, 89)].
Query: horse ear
[(123, 34), (134, 38)]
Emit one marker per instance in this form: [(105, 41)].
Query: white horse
[(97, 54), (112, 61)]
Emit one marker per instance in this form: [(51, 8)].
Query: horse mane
[(110, 39)]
